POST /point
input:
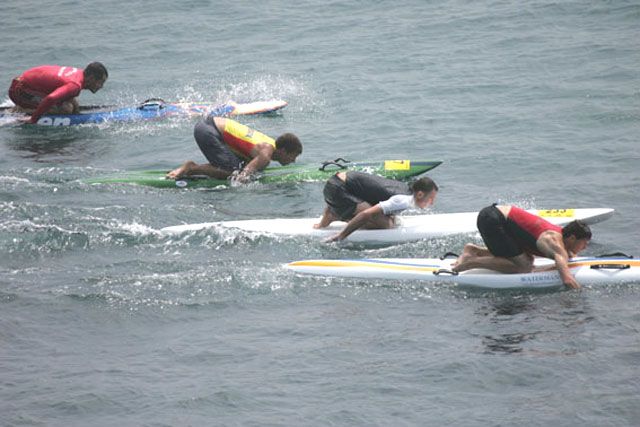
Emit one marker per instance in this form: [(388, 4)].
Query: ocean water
[(105, 321)]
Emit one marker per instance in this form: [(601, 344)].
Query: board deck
[(410, 227), (397, 169), (153, 109), (605, 270)]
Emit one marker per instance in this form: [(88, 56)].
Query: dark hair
[(577, 228), (425, 184), (97, 70), (289, 142)]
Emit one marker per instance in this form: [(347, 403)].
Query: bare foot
[(459, 264), (182, 171), (470, 251)]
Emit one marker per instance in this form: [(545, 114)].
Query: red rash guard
[(530, 227), (54, 83)]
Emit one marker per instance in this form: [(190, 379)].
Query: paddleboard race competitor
[(235, 149), (370, 201), (53, 89), (513, 237)]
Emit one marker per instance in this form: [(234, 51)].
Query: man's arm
[(562, 263), (259, 162), (552, 246), (59, 95), (327, 218), (356, 222)]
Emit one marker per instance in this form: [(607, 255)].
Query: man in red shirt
[(513, 237), (53, 89)]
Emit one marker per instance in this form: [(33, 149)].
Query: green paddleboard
[(396, 169)]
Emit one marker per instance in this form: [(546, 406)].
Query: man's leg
[(522, 263), (191, 168), (502, 252), (327, 218)]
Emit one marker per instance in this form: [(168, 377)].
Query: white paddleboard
[(409, 228), (587, 271)]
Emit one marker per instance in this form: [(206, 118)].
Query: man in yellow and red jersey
[(53, 89), (514, 236), (230, 146)]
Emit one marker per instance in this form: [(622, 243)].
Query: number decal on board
[(54, 121), (397, 165), (557, 213)]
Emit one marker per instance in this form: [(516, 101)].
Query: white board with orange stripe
[(587, 271)]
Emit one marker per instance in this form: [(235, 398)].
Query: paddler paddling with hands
[(235, 149), (370, 201), (53, 89), (514, 236)]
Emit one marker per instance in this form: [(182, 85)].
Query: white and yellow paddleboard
[(409, 228), (587, 271)]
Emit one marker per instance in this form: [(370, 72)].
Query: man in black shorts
[(370, 201), (514, 236), (230, 146)]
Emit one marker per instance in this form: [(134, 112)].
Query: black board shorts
[(498, 233), (343, 197), (212, 145)]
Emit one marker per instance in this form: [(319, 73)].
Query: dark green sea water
[(104, 321)]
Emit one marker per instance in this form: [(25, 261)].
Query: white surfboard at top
[(586, 270), (257, 107), (409, 228)]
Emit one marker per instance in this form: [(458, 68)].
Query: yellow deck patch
[(557, 213), (397, 165)]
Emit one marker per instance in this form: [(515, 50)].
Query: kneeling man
[(233, 148), (371, 201), (514, 236)]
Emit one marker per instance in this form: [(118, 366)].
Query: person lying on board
[(514, 236), (371, 201), (235, 149), (53, 89)]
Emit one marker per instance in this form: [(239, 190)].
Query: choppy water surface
[(107, 321)]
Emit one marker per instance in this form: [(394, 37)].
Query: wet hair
[(290, 143), (578, 229), (96, 70), (424, 184)]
